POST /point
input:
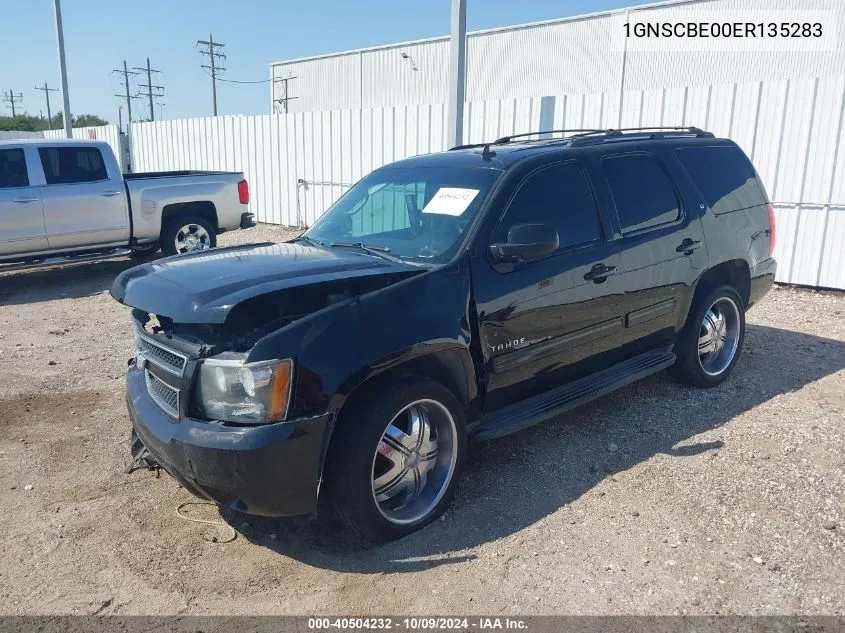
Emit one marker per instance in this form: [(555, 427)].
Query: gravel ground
[(656, 499)]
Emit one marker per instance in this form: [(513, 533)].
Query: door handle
[(599, 273), (688, 246), (24, 200), (109, 194)]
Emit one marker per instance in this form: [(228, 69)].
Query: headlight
[(234, 391)]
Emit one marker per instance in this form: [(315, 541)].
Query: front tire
[(187, 234), (396, 458), (711, 341)]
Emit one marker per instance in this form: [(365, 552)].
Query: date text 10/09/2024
[(418, 624)]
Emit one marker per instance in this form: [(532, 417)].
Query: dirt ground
[(656, 499)]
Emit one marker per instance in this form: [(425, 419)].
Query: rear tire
[(711, 341), (395, 459), (187, 234)]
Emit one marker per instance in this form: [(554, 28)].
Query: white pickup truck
[(69, 199)]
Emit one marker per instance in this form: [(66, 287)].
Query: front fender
[(345, 345)]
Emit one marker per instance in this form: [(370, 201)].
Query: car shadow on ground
[(67, 281), (513, 482)]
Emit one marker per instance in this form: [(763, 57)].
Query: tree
[(88, 120), (21, 123), (28, 123)]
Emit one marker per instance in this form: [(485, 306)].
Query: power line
[(10, 99), (47, 92), (126, 72), (238, 81), (152, 90), (213, 65), (257, 81)]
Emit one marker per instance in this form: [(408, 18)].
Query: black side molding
[(556, 345), (552, 403), (651, 312)]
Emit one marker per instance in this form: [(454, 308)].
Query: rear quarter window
[(65, 165), (724, 176)]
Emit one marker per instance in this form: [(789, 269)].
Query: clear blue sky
[(100, 34)]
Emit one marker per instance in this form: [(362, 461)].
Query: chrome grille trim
[(166, 358), (163, 394), (152, 355)]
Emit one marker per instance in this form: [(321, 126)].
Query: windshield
[(417, 213)]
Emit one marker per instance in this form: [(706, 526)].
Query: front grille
[(164, 358), (163, 394), (154, 358)]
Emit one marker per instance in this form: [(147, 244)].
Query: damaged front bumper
[(269, 469)]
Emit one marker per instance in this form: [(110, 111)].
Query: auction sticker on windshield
[(450, 201)]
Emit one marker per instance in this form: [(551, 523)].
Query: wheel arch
[(734, 272), (450, 366), (201, 208)]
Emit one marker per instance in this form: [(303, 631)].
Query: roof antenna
[(486, 154)]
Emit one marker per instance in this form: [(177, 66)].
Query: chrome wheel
[(192, 237), (719, 336), (414, 462)]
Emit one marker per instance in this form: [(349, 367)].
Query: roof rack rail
[(486, 154), (468, 146), (592, 135), (508, 139), (652, 132)]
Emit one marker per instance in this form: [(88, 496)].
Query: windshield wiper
[(362, 246), (310, 240), (373, 249)]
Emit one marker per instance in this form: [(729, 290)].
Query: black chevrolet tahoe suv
[(444, 298)]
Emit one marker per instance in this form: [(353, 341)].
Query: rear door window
[(13, 169), (66, 165), (642, 192), (558, 195), (724, 176)]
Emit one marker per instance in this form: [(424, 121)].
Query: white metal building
[(576, 55), (784, 106)]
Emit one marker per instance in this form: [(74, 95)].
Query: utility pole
[(457, 73), (152, 90), (126, 72), (47, 92), (10, 99), (213, 65), (60, 42)]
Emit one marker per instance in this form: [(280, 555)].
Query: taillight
[(772, 228), (243, 192)]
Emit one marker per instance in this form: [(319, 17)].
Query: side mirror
[(525, 242)]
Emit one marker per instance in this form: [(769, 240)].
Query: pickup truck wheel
[(187, 235), (711, 341), (395, 459)]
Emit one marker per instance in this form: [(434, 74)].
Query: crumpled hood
[(204, 287)]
